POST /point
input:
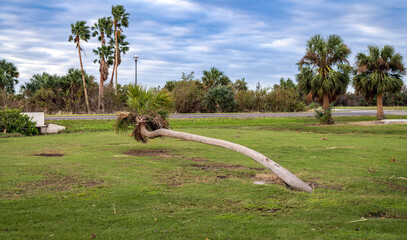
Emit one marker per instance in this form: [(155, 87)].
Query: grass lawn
[(92, 181)]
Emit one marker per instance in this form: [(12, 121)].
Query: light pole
[(135, 72)]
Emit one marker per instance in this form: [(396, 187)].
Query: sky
[(259, 40)]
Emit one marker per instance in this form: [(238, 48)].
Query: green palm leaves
[(120, 19), (214, 77), (79, 32), (148, 102), (378, 72), (102, 28), (324, 69), (8, 76), (149, 108)]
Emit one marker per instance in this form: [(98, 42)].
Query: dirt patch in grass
[(315, 185), (52, 182), (150, 153), (383, 214), (160, 154), (268, 178), (393, 185), (180, 177), (213, 173), (201, 160), (49, 154)]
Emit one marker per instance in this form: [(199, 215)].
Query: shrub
[(12, 121), (219, 99), (324, 118), (188, 96), (284, 100), (245, 101)]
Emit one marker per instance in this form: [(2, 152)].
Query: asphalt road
[(338, 112)]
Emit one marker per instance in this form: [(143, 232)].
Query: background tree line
[(324, 76)]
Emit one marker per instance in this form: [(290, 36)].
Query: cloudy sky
[(260, 40)]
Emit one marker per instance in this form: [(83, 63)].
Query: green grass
[(175, 189)]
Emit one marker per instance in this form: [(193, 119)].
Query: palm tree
[(123, 47), (103, 29), (148, 117), (8, 76), (105, 59), (81, 32), (377, 73), (214, 77), (324, 69), (120, 18)]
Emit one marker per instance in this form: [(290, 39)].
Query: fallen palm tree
[(149, 121)]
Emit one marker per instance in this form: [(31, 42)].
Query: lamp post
[(135, 72)]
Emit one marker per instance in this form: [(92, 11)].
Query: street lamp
[(135, 73)]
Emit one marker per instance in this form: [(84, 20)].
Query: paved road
[(338, 112)]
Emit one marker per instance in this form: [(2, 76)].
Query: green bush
[(12, 121), (284, 100), (219, 99), (324, 118), (187, 95)]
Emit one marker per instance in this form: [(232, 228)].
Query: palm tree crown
[(149, 109), (102, 29), (324, 69), (79, 32), (378, 72), (8, 76), (120, 19), (214, 77)]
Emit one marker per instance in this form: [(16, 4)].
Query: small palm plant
[(148, 119)]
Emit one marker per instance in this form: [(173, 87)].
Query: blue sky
[(259, 40)]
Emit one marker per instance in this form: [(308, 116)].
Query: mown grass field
[(93, 181)]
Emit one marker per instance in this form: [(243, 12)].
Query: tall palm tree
[(81, 32), (377, 73), (8, 76), (324, 69), (148, 117), (214, 77), (123, 47), (105, 59), (103, 29), (120, 19)]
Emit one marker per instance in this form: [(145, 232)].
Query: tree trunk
[(325, 103), (289, 178), (83, 79), (380, 112), (325, 106), (116, 53), (100, 104)]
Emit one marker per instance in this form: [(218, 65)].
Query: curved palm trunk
[(289, 178), (83, 79), (380, 112)]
